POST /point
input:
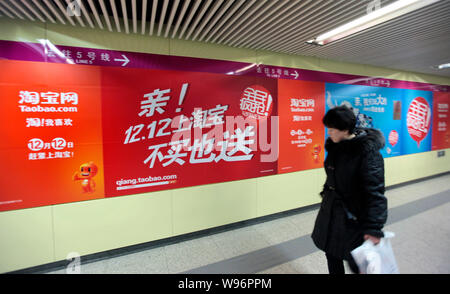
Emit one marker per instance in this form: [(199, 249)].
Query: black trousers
[(336, 265)]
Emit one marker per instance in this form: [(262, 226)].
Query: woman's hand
[(374, 240)]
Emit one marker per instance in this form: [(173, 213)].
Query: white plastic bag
[(376, 259)]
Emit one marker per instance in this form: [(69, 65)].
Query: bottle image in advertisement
[(397, 110), (85, 174)]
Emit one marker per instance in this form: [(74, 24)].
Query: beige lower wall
[(36, 236)]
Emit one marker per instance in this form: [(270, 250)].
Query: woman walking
[(353, 206)]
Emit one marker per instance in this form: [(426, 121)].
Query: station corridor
[(419, 215)]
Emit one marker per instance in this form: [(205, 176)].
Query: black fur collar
[(365, 139)]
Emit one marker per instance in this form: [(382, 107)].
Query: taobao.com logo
[(38, 108)]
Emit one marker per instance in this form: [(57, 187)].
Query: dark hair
[(341, 118)]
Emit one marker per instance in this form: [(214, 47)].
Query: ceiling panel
[(418, 41)]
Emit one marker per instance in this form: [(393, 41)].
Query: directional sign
[(125, 60)]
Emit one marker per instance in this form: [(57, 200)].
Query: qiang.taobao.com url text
[(140, 182)]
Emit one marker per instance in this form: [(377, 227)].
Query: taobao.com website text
[(38, 108), (149, 179)]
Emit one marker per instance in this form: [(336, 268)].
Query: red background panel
[(123, 93), (30, 183), (293, 157), (441, 121)]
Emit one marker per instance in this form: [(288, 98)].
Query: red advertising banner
[(441, 120), (75, 132), (51, 147), (170, 129), (301, 107)]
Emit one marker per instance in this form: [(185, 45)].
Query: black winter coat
[(353, 201)]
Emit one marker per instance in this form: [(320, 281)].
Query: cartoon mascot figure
[(85, 174), (316, 152)]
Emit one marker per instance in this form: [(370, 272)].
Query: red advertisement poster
[(171, 129), (301, 109), (441, 120), (51, 147)]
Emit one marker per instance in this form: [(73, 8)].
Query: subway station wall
[(47, 231)]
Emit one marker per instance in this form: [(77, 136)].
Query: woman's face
[(337, 135)]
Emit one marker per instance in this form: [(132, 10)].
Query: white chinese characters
[(188, 141), (56, 147), (256, 102), (419, 116), (48, 122), (202, 149), (371, 102), (29, 97), (156, 100), (45, 102)]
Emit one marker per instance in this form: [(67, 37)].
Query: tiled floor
[(419, 215)]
